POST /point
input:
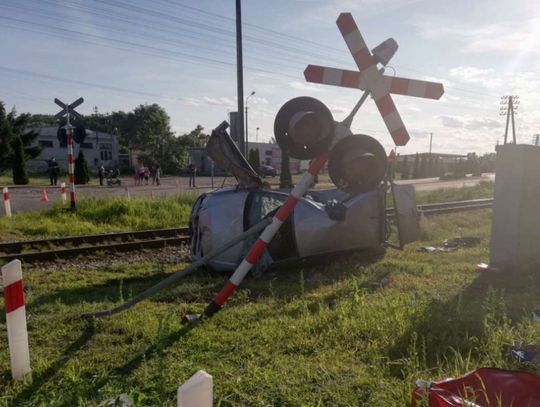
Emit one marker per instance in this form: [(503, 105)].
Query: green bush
[(20, 176), (82, 175)]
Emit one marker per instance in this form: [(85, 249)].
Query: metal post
[(246, 153), (511, 102), (507, 121), (240, 76), (212, 172), (71, 169), (430, 142), (247, 138)]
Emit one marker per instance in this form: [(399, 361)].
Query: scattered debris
[(379, 283), (450, 245), (467, 241), (122, 400), (523, 352)]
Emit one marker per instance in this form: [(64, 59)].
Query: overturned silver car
[(323, 221)]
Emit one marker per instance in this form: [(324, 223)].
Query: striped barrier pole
[(16, 319), (63, 192), (71, 165), (7, 203), (266, 236)]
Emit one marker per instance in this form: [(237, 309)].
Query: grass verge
[(310, 334), (99, 216)]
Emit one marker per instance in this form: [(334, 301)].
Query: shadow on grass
[(108, 291), (38, 380), (499, 296), (155, 350), (208, 282)]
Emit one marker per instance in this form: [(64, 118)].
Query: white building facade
[(98, 147)]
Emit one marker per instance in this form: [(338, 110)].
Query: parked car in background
[(267, 171)]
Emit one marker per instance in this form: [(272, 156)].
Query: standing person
[(141, 174), (136, 177), (153, 174), (101, 173), (192, 170), (157, 175), (53, 170), (146, 175)]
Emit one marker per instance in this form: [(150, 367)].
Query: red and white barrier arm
[(16, 319), (266, 236), (7, 203)]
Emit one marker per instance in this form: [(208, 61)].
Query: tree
[(285, 178), (405, 169), (20, 176), (82, 175), (416, 167), (5, 139), (14, 126), (423, 167), (254, 159)]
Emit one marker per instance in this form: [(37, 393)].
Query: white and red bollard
[(19, 351), (7, 203), (63, 191), (266, 236), (197, 391)]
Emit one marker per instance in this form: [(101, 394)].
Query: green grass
[(309, 334), (99, 215), (6, 178), (484, 189)]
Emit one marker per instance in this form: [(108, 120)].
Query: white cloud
[(220, 101), (505, 36), (305, 86)]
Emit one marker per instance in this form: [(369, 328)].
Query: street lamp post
[(257, 134), (247, 149)]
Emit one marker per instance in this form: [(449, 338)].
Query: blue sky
[(118, 54)]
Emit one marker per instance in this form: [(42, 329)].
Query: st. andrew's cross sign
[(370, 79)]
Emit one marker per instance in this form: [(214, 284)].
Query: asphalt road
[(26, 198)]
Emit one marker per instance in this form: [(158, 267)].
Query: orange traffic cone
[(44, 197)]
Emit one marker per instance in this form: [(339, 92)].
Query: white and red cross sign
[(369, 78)]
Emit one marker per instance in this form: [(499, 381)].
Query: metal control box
[(515, 234)]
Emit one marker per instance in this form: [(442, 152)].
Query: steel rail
[(85, 250), (10, 247)]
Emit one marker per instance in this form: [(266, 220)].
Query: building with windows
[(98, 147)]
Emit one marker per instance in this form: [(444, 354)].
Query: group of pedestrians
[(143, 174)]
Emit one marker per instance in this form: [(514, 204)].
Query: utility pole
[(430, 142), (240, 78), (512, 103), (537, 139)]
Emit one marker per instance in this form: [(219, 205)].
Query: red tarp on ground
[(485, 387)]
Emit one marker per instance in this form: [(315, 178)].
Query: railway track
[(449, 207), (66, 247)]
